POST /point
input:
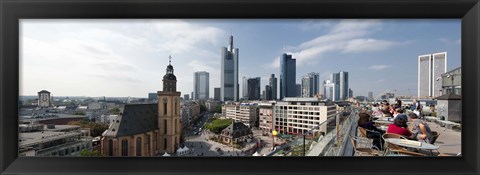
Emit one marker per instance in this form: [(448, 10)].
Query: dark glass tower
[(287, 76)]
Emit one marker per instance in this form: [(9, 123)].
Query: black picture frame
[(13, 10)]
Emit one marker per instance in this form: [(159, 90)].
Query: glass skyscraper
[(273, 87), (343, 83), (201, 85), (254, 88), (287, 76), (229, 73), (310, 85)]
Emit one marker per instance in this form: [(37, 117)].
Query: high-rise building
[(44, 99), (244, 88), (298, 92), (169, 114), (310, 85), (330, 90), (430, 69), (216, 94), (254, 88), (268, 93), (229, 73), (370, 95), (344, 85), (272, 82), (201, 85), (186, 97), (350, 93), (287, 76)]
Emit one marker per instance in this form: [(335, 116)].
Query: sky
[(128, 57)]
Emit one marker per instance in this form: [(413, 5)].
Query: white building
[(299, 115), (430, 70), (245, 113)]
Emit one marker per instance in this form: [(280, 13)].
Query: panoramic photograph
[(240, 87)]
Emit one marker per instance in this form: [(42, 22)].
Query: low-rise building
[(189, 111), (54, 140), (211, 105), (265, 113), (236, 133), (244, 112), (299, 115)]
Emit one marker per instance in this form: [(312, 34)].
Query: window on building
[(124, 147), (165, 126), (110, 147), (165, 143), (139, 146)]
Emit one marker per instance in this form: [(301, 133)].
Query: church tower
[(169, 113)]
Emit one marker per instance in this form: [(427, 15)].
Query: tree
[(218, 109), (218, 125), (203, 108), (88, 153), (115, 111), (96, 129), (79, 113)]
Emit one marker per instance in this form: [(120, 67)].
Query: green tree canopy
[(96, 129), (218, 125)]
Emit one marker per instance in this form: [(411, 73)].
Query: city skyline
[(110, 58)]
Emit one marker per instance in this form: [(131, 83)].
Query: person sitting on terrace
[(373, 132), (398, 103), (397, 112), (386, 113), (420, 128), (399, 126), (391, 109)]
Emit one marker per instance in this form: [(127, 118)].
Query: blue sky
[(129, 57)]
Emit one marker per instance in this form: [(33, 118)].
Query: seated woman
[(399, 127), (373, 132), (420, 128)]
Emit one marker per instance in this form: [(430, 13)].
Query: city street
[(202, 146)]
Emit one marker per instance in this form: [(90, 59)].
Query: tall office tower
[(245, 88), (272, 82), (310, 85), (268, 92), (298, 92), (287, 76), (186, 97), (370, 95), (330, 90), (350, 93), (430, 69), (169, 114), (254, 88), (229, 73), (335, 82), (343, 85), (201, 85), (216, 94)]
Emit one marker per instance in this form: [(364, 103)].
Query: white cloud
[(379, 67), (449, 41), (363, 45), (347, 36), (109, 53)]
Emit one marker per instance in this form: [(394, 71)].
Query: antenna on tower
[(170, 59)]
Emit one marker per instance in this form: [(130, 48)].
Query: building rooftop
[(32, 138), (136, 118)]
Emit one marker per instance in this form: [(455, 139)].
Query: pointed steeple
[(169, 79)]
